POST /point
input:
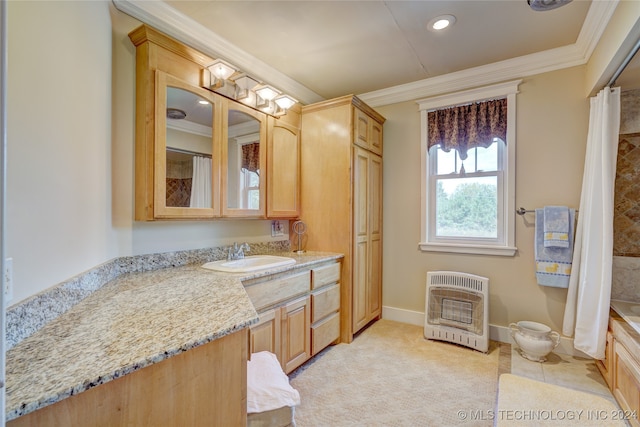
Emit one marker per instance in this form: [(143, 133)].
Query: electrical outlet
[(8, 280), (277, 229)]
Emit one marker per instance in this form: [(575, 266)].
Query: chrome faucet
[(237, 251)]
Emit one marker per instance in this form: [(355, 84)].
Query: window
[(469, 182)]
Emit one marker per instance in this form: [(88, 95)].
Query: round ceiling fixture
[(441, 22), (542, 5), (174, 113)]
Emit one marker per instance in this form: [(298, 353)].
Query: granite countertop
[(133, 321), (629, 311)]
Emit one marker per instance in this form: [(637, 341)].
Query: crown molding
[(168, 20), (597, 18)]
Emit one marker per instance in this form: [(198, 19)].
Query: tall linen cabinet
[(341, 203)]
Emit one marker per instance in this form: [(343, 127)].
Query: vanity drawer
[(325, 275), (324, 333), (324, 302), (272, 292)]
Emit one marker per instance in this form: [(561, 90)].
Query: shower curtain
[(201, 183), (587, 311)]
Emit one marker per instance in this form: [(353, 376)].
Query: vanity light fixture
[(220, 71), (441, 22), (285, 102), (228, 81), (244, 85), (267, 92)]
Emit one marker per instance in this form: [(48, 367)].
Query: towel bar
[(522, 211)]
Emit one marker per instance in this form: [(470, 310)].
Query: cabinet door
[(244, 160), (367, 132), (361, 248), (375, 137), (367, 250), (626, 381), (296, 333), (375, 236), (186, 170), (283, 170), (265, 335), (605, 366)]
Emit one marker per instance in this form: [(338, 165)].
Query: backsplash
[(28, 316), (626, 221)]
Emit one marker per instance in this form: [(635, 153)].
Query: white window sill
[(468, 249)]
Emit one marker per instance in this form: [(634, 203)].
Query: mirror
[(189, 135), (243, 161)]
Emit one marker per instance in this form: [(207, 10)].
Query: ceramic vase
[(535, 340)]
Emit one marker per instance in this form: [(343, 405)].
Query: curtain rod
[(189, 152), (624, 64)]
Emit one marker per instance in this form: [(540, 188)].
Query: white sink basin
[(249, 263)]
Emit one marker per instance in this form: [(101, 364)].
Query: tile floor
[(563, 370)]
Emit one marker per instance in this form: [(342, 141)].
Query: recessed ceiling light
[(441, 22)]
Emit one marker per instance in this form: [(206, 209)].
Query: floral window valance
[(467, 126), (251, 157)]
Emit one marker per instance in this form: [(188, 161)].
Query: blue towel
[(553, 264), (556, 227)]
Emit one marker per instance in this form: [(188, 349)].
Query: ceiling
[(334, 48)]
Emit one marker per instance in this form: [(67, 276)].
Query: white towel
[(268, 386), (553, 264)]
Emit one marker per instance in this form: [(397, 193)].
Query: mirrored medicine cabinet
[(200, 155), (187, 154)]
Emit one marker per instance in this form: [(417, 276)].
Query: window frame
[(506, 215)]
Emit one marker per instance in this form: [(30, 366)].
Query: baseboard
[(496, 332)]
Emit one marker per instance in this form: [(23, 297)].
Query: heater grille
[(457, 309)]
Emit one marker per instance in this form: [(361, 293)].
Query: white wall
[(71, 98), (59, 138), (552, 122)]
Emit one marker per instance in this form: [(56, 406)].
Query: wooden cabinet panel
[(206, 385), (374, 296), (285, 321), (265, 335), (361, 128), (360, 283), (342, 142), (296, 333), (325, 332), (271, 292), (324, 302), (626, 381), (605, 366), (367, 252), (283, 167), (325, 275), (375, 142), (367, 132)]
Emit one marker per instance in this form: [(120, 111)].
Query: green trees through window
[(467, 207)]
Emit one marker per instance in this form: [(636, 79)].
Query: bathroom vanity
[(621, 366), (161, 347)]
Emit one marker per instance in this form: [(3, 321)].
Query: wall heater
[(457, 309)]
